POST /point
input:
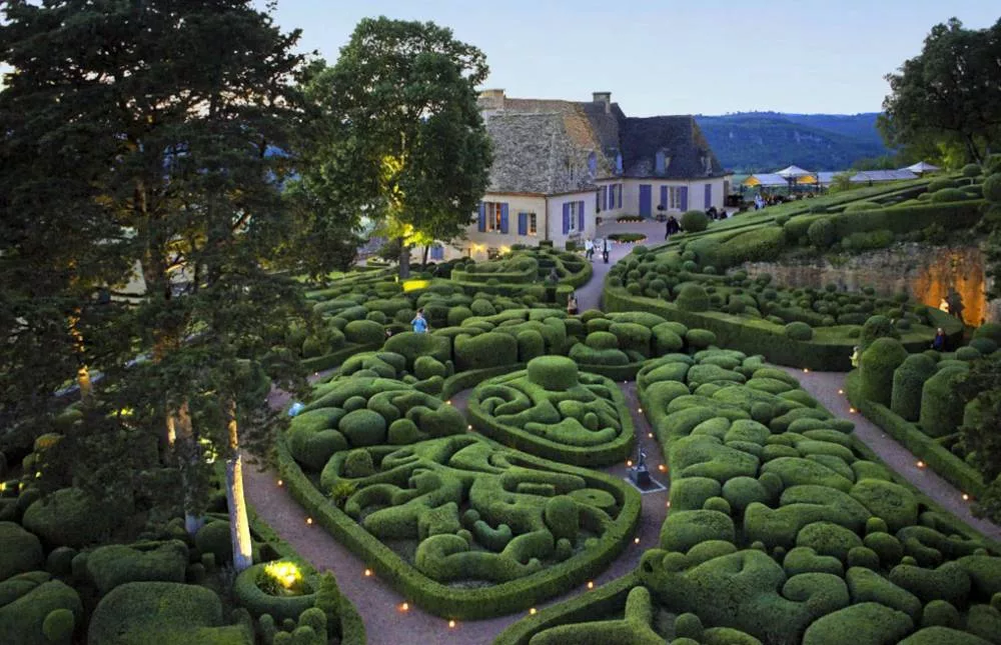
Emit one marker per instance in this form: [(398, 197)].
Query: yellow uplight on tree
[(286, 574)]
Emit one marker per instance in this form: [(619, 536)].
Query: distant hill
[(768, 141)]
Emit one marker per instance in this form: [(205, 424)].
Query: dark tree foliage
[(949, 93), (410, 142), (143, 135), (980, 432)]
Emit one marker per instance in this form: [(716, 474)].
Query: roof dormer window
[(660, 162), (592, 164), (618, 163)]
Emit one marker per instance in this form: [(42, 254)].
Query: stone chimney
[(603, 97), (491, 100)]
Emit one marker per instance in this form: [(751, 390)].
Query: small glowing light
[(280, 482), (640, 410), (669, 504), (852, 410), (449, 402), (921, 464), (405, 606), (368, 573), (966, 497), (3, 486), (806, 370), (650, 435), (284, 573), (636, 541), (630, 463), (309, 520), (451, 624), (662, 468), (590, 584), (532, 611), (841, 391), (316, 373), (470, 427)]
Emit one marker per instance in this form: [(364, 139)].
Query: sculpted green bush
[(877, 366)]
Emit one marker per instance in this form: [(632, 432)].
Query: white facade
[(675, 201)]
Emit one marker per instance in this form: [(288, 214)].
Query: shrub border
[(352, 626), (448, 602), (333, 359), (589, 456), (773, 344), (950, 467)]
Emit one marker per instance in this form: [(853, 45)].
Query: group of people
[(596, 245), (714, 214)]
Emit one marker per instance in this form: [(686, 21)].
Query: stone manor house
[(561, 166)]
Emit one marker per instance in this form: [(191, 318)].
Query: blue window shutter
[(503, 218), (709, 195), (566, 218), (604, 198), (663, 196), (619, 191), (483, 217), (684, 197), (522, 223), (580, 216), (597, 200)]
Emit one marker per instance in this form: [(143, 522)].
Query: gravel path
[(589, 296), (826, 387)]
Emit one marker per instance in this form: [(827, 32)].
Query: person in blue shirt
[(419, 323)]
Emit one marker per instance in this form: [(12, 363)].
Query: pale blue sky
[(671, 56)]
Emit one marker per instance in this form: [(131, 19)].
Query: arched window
[(660, 161), (592, 164)]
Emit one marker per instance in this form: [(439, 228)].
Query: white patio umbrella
[(793, 172), (921, 167)]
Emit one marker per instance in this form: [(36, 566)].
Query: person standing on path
[(588, 249), (572, 304), (604, 251), (420, 324)]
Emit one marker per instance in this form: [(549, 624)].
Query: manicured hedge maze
[(781, 530), (798, 327), (913, 398), (463, 527), (554, 411)]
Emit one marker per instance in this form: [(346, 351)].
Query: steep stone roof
[(541, 152), (685, 151), (545, 145)]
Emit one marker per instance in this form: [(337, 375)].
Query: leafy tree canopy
[(408, 138), (949, 93)]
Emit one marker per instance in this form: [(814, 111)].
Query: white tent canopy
[(882, 175), (921, 167), (793, 172)]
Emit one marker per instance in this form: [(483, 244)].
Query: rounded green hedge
[(908, 380), (799, 331), (248, 594), (992, 188), (553, 373), (941, 406), (877, 366), (694, 221), (692, 297)]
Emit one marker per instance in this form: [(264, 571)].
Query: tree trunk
[(239, 526), (404, 260), (183, 443)]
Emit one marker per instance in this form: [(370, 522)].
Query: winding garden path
[(827, 387), (379, 604)]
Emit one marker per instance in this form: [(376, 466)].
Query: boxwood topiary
[(248, 593), (694, 221), (22, 621), (908, 381), (68, 517), (799, 331), (877, 366), (20, 551), (692, 297), (992, 188), (948, 195), (941, 405)]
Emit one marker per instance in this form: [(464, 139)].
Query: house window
[(660, 161), (592, 164), (574, 215), (674, 197), (493, 216), (532, 226)]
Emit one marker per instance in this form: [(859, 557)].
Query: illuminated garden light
[(286, 574), (669, 504), (966, 497), (309, 520), (590, 584), (841, 391), (852, 410), (629, 463), (650, 435), (280, 482), (640, 410), (532, 611), (921, 464), (662, 468), (451, 624), (405, 606), (368, 573)]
